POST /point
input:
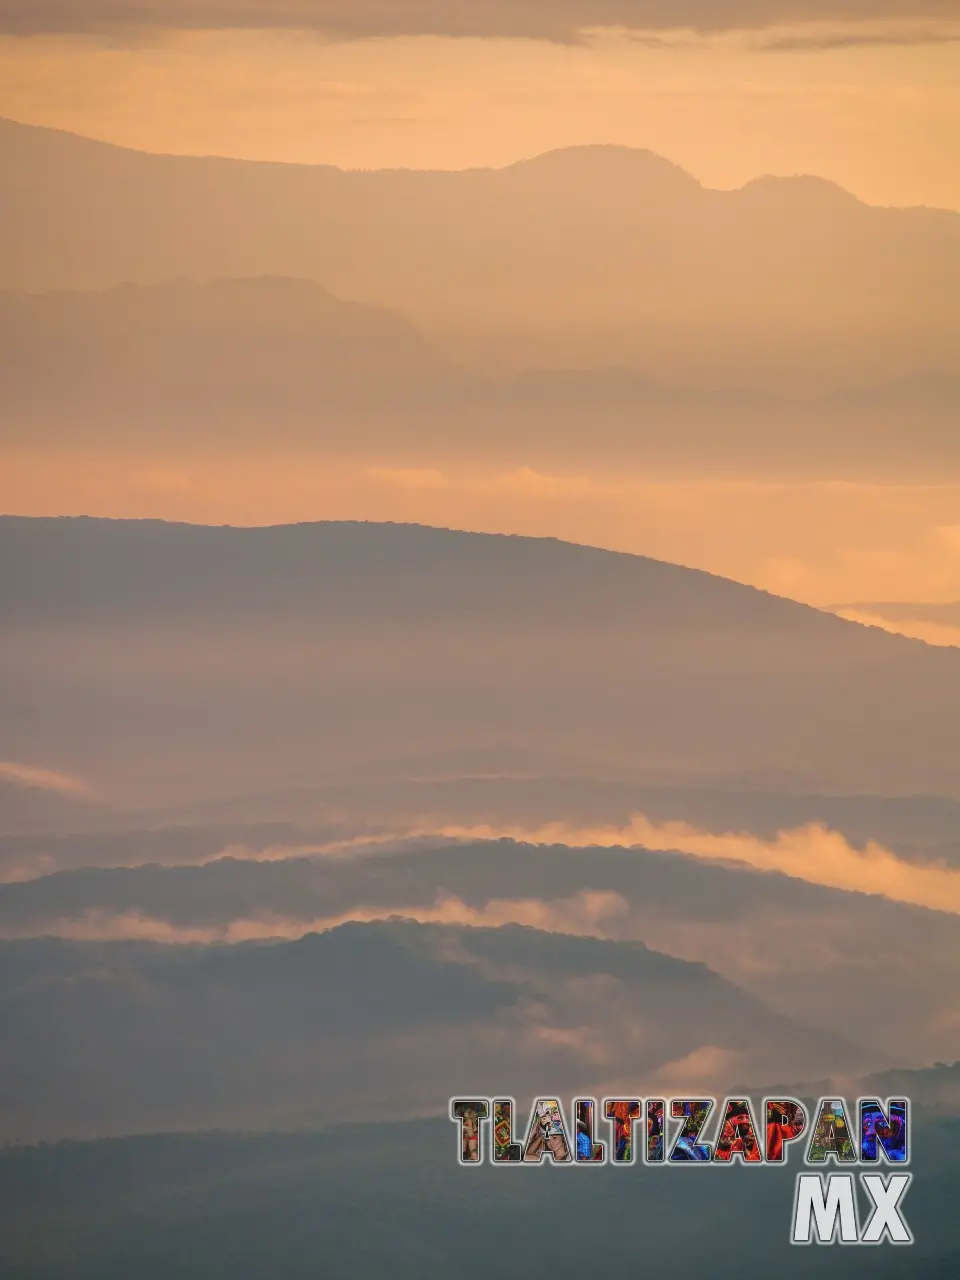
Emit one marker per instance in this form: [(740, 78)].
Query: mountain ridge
[(576, 256), (553, 156), (271, 652), (373, 531)]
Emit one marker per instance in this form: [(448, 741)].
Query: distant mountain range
[(158, 360), (227, 364), (593, 255)]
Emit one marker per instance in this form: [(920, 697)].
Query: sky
[(863, 92), (868, 95)]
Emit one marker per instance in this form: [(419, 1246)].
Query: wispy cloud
[(938, 633), (807, 41), (812, 853), (583, 915), (26, 775)]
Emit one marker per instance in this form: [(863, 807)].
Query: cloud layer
[(812, 853), (793, 944), (939, 633), (555, 20)]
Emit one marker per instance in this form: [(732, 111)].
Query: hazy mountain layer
[(800, 947), (173, 662), (246, 365), (592, 255)]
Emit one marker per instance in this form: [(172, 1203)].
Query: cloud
[(706, 1071), (562, 21), (795, 945), (855, 39), (695, 1072), (582, 915), (812, 853), (25, 775), (32, 867), (938, 633)]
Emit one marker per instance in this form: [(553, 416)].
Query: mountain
[(934, 1090), (232, 346), (387, 1198), (765, 933), (77, 569), (111, 1038), (584, 257), (936, 1087), (227, 364), (173, 662)]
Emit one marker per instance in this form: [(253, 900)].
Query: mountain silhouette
[(286, 1033), (203, 657), (179, 347), (583, 256), (210, 364)]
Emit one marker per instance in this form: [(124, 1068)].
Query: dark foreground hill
[(388, 1199)]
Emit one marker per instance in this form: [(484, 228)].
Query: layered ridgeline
[(162, 662), (264, 347), (588, 256), (798, 947), (233, 366)]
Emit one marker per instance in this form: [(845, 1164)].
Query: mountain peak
[(605, 161), (802, 186)]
